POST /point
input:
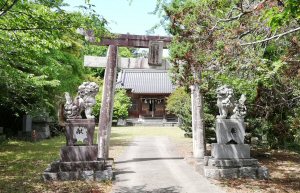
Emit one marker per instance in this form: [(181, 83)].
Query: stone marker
[(230, 157), (27, 124)]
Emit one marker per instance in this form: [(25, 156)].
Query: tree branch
[(4, 5), (8, 8), (243, 12), (273, 37)]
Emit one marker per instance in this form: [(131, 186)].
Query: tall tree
[(210, 39), (40, 52)]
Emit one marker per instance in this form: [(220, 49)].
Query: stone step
[(223, 163), (234, 168)]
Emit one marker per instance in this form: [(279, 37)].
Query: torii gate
[(124, 40), (155, 44)]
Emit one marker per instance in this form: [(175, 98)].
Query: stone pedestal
[(234, 168), (230, 157), (79, 162)]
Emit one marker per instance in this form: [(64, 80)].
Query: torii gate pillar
[(105, 119)]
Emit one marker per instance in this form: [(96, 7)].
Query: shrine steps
[(151, 122)]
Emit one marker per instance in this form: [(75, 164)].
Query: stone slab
[(86, 175), (78, 153), (230, 151), (212, 173), (54, 166), (50, 176), (248, 172), (229, 173), (68, 176), (81, 166), (232, 162), (104, 175), (230, 129), (80, 170)]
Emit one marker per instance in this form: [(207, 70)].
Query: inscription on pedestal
[(80, 130), (230, 130), (80, 134)]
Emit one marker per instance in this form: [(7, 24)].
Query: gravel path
[(152, 165)]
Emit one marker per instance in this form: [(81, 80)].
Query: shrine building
[(148, 90)]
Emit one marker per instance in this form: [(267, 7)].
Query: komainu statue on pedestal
[(225, 101), (227, 105), (84, 101), (240, 109)]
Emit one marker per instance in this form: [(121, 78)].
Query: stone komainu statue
[(84, 101), (227, 105)]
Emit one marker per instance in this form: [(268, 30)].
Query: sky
[(124, 17)]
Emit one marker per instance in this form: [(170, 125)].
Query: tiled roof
[(145, 81)]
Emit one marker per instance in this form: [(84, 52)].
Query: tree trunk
[(199, 146), (105, 119)]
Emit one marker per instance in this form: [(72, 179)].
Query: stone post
[(199, 146), (105, 119)]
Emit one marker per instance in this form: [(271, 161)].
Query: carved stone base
[(82, 170), (223, 151), (234, 168)]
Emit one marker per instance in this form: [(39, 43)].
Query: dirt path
[(152, 165)]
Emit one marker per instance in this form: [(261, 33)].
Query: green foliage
[(285, 13), (206, 39), (41, 54), (179, 103), (122, 103)]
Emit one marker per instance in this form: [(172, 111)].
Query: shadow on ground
[(142, 189), (148, 159)]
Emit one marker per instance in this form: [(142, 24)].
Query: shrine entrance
[(156, 44)]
